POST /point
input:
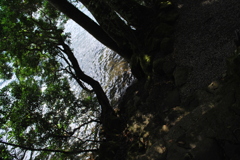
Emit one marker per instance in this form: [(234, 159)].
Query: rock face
[(206, 130), (195, 114), (204, 38), (210, 126)]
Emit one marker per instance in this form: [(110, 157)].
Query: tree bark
[(113, 31), (88, 24), (113, 25)]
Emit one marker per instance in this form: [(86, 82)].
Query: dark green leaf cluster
[(39, 113)]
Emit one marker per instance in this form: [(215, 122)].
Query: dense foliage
[(39, 112)]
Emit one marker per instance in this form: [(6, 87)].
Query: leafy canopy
[(38, 111)]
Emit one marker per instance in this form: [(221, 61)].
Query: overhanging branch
[(107, 111), (88, 24), (75, 129), (78, 81)]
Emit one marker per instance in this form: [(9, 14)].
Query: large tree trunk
[(113, 25), (89, 25), (112, 30)]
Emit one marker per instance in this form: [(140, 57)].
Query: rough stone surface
[(181, 75), (207, 130), (204, 38), (193, 115)]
